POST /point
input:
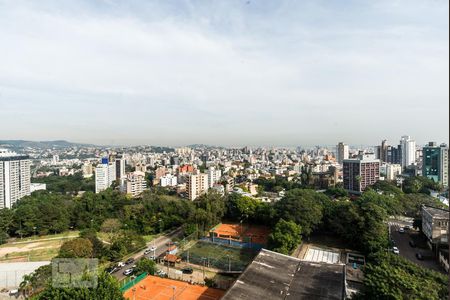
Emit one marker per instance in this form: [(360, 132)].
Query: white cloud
[(257, 74)]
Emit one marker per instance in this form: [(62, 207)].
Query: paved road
[(160, 244), (402, 242)]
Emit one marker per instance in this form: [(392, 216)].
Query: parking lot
[(402, 242)]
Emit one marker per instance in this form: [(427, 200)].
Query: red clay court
[(156, 288), (258, 234)]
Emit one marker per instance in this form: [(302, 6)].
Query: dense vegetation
[(388, 276), (67, 184), (360, 222)]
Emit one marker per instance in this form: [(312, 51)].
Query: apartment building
[(135, 183), (15, 177), (361, 172), (196, 185)]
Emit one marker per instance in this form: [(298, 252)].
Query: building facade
[(213, 176), (392, 171), (435, 224), (408, 146), (120, 168), (15, 178), (168, 180), (342, 152), (196, 185), (360, 173), (435, 163), (136, 184), (105, 174)]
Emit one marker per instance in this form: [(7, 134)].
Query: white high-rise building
[(342, 152), (105, 174), (408, 151), (196, 185), (14, 177), (213, 176), (168, 180), (87, 170), (392, 171), (136, 183)]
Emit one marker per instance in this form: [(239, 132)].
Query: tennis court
[(156, 288), (218, 256)]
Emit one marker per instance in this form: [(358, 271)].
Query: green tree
[(145, 265), (77, 248), (285, 237), (6, 221), (389, 276), (304, 207), (107, 288)]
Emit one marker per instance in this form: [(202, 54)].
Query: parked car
[(423, 256), (407, 227), (412, 244), (395, 250), (161, 273), (113, 269), (187, 271), (129, 261), (148, 251), (152, 257), (128, 272), (153, 248), (121, 264), (401, 230)]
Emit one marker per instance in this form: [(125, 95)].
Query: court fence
[(133, 282)]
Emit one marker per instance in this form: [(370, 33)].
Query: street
[(402, 242), (161, 248)]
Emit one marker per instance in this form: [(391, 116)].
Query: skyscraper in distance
[(435, 163), (408, 146), (342, 152), (15, 177)]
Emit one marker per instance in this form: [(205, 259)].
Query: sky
[(228, 72)]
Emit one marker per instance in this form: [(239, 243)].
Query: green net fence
[(132, 282)]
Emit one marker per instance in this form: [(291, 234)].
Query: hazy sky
[(224, 72)]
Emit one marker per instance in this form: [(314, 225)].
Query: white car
[(153, 248), (395, 250), (128, 272), (121, 265), (401, 230)]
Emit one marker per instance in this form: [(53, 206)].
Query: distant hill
[(21, 144)]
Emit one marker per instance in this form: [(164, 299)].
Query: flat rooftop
[(156, 288), (436, 212), (277, 276)]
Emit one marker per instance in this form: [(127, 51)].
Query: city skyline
[(222, 73)]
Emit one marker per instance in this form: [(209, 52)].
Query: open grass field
[(34, 248)]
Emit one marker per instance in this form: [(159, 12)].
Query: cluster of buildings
[(192, 171), (387, 162)]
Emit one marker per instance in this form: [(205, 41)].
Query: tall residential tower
[(14, 177)]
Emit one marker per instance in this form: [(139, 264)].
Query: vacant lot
[(35, 248)]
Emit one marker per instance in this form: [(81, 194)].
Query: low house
[(172, 249), (171, 260)]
